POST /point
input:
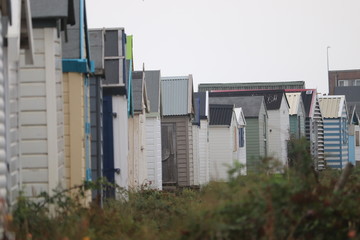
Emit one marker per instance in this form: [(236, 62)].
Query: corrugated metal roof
[(176, 96), (332, 106), (272, 98), (251, 85), (221, 114), (294, 102), (152, 79), (251, 105)]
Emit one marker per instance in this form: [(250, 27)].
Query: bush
[(296, 204)]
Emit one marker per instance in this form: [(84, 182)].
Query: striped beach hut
[(336, 137)]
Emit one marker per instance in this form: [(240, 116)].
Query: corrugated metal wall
[(174, 96)]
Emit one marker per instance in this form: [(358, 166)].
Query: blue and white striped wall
[(336, 142)]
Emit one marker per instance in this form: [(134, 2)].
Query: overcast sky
[(238, 40)]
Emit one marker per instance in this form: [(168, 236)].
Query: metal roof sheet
[(251, 85), (152, 79), (176, 95), (221, 114), (272, 98), (294, 100), (332, 106), (251, 105)]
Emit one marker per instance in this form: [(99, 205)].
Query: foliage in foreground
[(297, 204)]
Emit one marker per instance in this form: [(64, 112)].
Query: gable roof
[(332, 106), (309, 99), (221, 114), (273, 98), (294, 100), (152, 79), (177, 96), (251, 105)]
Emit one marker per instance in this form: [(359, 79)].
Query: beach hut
[(335, 113), (256, 117), (76, 98), (314, 127), (137, 166), (41, 115), (153, 130), (296, 114), (223, 140), (201, 138), (19, 35), (116, 97), (176, 131), (96, 39)]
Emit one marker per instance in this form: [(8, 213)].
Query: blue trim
[(332, 123), (332, 145), (333, 161), (129, 89), (333, 150), (77, 65), (81, 14), (335, 166), (332, 134)]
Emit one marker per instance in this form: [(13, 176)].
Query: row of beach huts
[(74, 109)]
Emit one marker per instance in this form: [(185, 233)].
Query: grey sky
[(238, 40)]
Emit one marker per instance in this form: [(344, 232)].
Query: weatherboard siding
[(3, 140), (11, 92), (73, 87), (137, 167), (204, 152), (41, 116), (253, 143), (220, 152), (153, 152)]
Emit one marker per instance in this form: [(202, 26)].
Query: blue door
[(108, 144)]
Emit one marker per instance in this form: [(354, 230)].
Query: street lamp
[(327, 57)]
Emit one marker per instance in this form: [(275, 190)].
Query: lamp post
[(327, 57)]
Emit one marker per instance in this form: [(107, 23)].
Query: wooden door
[(168, 155)]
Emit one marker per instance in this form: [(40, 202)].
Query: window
[(241, 137), (357, 138), (357, 82), (343, 83)]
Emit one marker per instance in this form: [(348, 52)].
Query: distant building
[(346, 82), (252, 86), (343, 78)]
